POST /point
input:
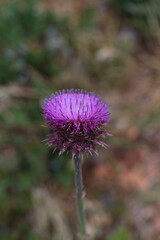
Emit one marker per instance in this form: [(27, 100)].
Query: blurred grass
[(143, 14)]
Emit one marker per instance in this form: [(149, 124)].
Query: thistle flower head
[(75, 118)]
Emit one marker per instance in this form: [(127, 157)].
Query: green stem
[(79, 195)]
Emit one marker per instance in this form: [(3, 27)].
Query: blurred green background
[(109, 47)]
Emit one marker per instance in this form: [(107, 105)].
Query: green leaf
[(121, 234)]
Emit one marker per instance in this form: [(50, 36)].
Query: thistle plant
[(76, 119)]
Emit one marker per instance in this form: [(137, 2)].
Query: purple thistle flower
[(75, 118)]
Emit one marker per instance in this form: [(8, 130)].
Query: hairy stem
[(79, 196)]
